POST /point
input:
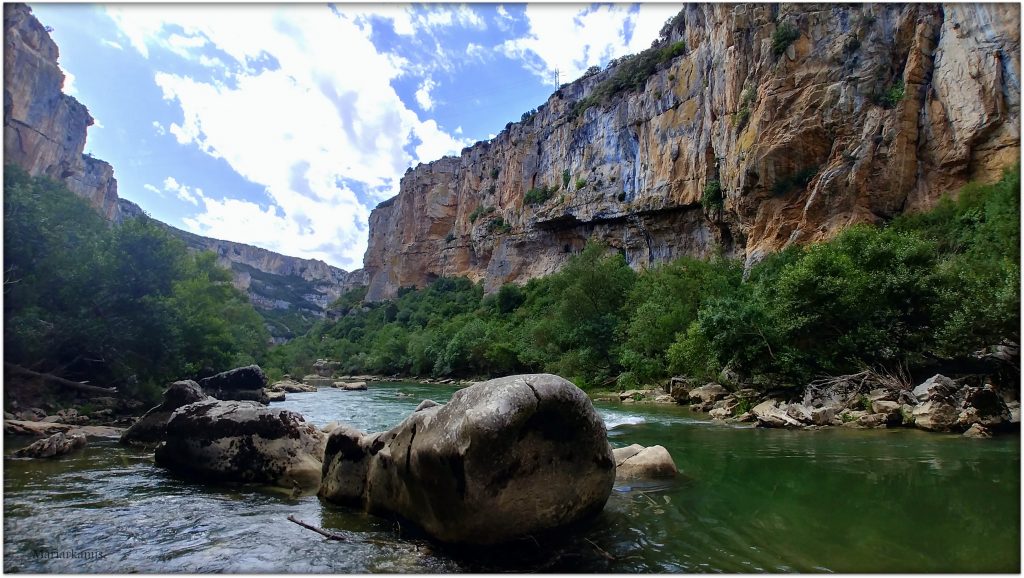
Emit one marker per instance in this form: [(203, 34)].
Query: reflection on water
[(749, 500)]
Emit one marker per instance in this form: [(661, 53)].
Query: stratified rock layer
[(803, 144), (503, 459)]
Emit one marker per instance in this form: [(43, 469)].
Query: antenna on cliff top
[(557, 76)]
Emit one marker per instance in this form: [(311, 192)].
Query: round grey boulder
[(504, 458), (243, 441)]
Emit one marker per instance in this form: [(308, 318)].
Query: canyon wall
[(869, 111), (45, 129)]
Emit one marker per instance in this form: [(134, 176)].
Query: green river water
[(748, 500)]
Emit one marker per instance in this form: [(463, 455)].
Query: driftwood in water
[(321, 531), (77, 385)]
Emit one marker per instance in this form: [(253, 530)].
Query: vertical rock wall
[(803, 143)]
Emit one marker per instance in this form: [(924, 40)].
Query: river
[(748, 500)]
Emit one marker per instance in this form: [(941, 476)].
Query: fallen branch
[(600, 551), (77, 385), (321, 531)]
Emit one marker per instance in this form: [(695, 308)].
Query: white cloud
[(183, 192), (324, 133), (111, 44), (153, 190), (159, 128), (571, 38), (69, 83), (423, 94)]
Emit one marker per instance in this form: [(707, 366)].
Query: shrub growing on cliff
[(784, 35), (538, 195), (712, 199)]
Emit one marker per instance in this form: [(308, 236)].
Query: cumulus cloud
[(323, 131), (183, 192), (423, 94), (154, 190), (570, 38)]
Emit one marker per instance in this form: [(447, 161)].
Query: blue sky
[(282, 126)]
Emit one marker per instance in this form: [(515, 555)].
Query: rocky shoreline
[(966, 406)]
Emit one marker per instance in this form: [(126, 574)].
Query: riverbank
[(748, 500), (970, 406)]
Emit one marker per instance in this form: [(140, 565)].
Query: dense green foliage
[(934, 286), (937, 285), (124, 306)]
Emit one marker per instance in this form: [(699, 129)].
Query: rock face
[(56, 445), (44, 129), (873, 110), (243, 441), (241, 383), (504, 458), (152, 427), (265, 275)]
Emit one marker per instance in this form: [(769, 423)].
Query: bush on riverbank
[(124, 305), (928, 287)]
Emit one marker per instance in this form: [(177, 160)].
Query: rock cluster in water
[(504, 458), (938, 404)]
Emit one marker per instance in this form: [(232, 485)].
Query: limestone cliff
[(272, 280), (45, 129), (808, 117)]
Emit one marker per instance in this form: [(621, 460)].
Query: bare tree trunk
[(76, 385)]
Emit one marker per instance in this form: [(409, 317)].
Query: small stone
[(977, 431)]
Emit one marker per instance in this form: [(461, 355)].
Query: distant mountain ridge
[(45, 133)]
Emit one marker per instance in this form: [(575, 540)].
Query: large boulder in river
[(151, 427), (241, 383), (503, 459), (243, 441)]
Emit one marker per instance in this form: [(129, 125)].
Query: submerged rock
[(504, 458), (351, 385), (58, 444), (153, 424), (291, 386), (977, 431), (243, 441), (241, 383), (649, 462)]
